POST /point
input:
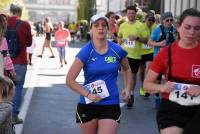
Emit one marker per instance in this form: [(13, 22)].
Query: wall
[(177, 6)]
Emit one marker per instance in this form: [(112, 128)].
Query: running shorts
[(146, 57), (87, 112), (172, 114), (134, 64)]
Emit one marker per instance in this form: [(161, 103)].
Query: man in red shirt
[(20, 61)]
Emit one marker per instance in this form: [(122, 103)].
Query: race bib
[(146, 46), (61, 43), (180, 96), (129, 44), (97, 87)]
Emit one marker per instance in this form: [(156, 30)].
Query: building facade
[(66, 10), (177, 6), (55, 9)]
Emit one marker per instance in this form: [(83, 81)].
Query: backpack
[(12, 40), (163, 36)]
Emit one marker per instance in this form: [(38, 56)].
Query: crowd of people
[(166, 54), (163, 51)]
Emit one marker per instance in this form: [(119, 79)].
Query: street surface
[(49, 105)]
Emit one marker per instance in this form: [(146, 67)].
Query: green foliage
[(85, 9), (4, 3)]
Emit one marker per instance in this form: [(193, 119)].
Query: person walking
[(98, 110), (30, 50), (48, 28), (20, 61), (179, 111), (62, 37)]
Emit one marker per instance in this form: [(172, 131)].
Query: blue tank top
[(102, 67)]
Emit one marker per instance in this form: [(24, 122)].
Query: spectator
[(62, 37), (30, 50), (7, 67), (20, 61), (6, 94), (48, 29)]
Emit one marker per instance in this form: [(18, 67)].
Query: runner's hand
[(94, 97), (194, 91), (167, 87), (126, 95), (162, 43), (132, 37)]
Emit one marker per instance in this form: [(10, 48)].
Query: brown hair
[(6, 88), (188, 12), (3, 25)]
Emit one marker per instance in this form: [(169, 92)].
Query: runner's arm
[(73, 73)]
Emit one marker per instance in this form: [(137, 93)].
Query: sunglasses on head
[(167, 20)]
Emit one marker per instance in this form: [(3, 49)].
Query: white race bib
[(61, 41), (180, 96), (97, 87), (146, 46), (129, 44)]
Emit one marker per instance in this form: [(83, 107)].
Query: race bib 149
[(180, 96)]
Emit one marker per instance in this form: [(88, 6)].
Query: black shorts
[(87, 112), (134, 64), (146, 57), (172, 114)]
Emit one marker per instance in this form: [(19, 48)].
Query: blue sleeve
[(156, 33), (123, 54), (120, 52), (83, 54)]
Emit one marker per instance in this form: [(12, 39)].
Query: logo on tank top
[(110, 59), (93, 59), (196, 71)]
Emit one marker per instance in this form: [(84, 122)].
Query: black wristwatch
[(137, 38)]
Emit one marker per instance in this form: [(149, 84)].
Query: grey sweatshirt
[(6, 118)]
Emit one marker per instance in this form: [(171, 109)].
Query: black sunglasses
[(167, 20), (152, 20)]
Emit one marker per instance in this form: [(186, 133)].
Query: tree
[(86, 9), (4, 3)]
